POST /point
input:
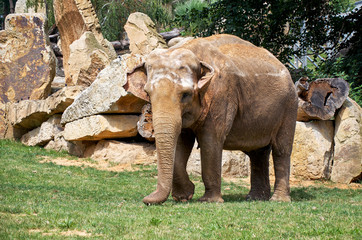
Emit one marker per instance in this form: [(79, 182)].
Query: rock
[(75, 148), (43, 134), (30, 114), (99, 127), (312, 150), (348, 143), (234, 163), (107, 93), (73, 18), (58, 83), (21, 7), (27, 63), (123, 153), (142, 34), (7, 131), (86, 59), (3, 121), (178, 41)]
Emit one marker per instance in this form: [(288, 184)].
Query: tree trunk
[(12, 7), (320, 99), (144, 125)]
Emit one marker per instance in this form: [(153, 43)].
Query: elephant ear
[(207, 72), (136, 81)]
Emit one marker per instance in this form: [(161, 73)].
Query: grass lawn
[(48, 201)]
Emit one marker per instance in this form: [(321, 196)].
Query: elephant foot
[(280, 197), (183, 194), (211, 198), (258, 196), (157, 197)]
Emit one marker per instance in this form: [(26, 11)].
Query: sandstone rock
[(123, 153), (87, 58), (43, 134), (73, 18), (107, 93), (142, 34), (99, 127), (58, 83), (30, 114), (75, 148), (27, 63), (234, 163), (178, 41), (312, 150), (3, 121), (7, 131), (348, 143), (21, 7)]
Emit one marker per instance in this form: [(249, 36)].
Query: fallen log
[(144, 125), (320, 99)]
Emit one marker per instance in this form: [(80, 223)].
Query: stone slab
[(99, 127)]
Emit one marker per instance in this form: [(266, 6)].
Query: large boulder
[(43, 134), (99, 127), (27, 63), (234, 163), (58, 143), (122, 153), (312, 150), (30, 114), (107, 93), (87, 58), (73, 18), (142, 34), (348, 143)]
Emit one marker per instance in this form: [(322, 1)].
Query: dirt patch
[(100, 165), (64, 233)]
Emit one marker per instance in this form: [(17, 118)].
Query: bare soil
[(64, 233)]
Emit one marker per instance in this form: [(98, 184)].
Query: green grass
[(44, 201)]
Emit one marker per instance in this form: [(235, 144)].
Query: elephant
[(227, 94)]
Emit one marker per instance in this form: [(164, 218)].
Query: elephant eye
[(186, 97)]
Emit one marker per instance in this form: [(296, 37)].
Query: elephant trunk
[(167, 126)]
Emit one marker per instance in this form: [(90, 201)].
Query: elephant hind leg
[(182, 187), (260, 185), (281, 151)]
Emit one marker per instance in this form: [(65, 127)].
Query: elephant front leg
[(182, 188), (211, 154)]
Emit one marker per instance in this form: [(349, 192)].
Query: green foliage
[(274, 24), (185, 13), (45, 201), (48, 5), (347, 59), (113, 14)]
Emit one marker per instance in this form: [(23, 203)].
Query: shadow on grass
[(297, 195), (301, 194), (234, 197)]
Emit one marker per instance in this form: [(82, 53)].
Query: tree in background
[(288, 27), (113, 14)]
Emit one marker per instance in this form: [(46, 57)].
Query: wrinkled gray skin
[(227, 94)]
